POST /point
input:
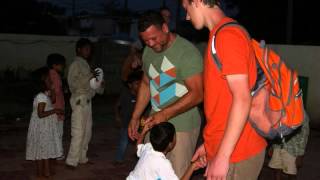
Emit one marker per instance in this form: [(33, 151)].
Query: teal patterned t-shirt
[(167, 71)]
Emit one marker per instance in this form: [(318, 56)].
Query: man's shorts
[(284, 161), (247, 169)]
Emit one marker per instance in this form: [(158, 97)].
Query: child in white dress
[(43, 143)]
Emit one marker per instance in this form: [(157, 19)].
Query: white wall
[(31, 51)]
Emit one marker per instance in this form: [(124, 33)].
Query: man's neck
[(171, 38), (82, 58), (213, 17)]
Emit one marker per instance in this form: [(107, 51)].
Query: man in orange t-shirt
[(232, 148)]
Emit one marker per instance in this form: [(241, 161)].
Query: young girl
[(43, 136)]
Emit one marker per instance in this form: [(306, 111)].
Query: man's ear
[(165, 28), (196, 2)]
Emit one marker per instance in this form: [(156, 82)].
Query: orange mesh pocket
[(262, 118)]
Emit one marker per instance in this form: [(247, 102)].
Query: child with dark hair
[(56, 63), (43, 136), (124, 109), (153, 163)]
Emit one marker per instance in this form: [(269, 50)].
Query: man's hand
[(196, 165), (199, 156), (133, 129), (155, 119), (217, 169)]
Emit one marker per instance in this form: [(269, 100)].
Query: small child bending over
[(153, 163), (43, 136)]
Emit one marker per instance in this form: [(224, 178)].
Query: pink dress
[(57, 87)]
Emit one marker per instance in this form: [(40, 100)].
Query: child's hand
[(145, 129), (59, 111), (201, 162), (142, 134)]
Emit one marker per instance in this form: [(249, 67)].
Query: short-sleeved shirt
[(152, 165), (167, 71), (237, 57)]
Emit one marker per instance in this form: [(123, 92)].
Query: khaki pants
[(180, 156), (248, 169), (281, 159), (81, 125)]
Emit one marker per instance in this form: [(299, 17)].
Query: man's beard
[(162, 46)]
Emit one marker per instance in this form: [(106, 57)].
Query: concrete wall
[(30, 52)]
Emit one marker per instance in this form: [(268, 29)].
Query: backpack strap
[(261, 78), (214, 54)]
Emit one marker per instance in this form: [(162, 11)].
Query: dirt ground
[(13, 130)]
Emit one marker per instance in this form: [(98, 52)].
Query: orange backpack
[(277, 106)]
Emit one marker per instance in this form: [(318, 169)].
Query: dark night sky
[(263, 19), (268, 19), (95, 5)]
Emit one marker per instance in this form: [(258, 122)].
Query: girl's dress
[(43, 135)]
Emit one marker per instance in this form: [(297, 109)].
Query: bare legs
[(45, 168)]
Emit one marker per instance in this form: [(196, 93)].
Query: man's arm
[(188, 101), (143, 99), (241, 102)]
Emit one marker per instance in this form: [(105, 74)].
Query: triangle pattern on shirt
[(180, 90), (165, 78), (153, 73), (166, 64), (153, 90)]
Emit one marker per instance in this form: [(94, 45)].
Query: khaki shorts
[(181, 155), (281, 159), (248, 169)]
